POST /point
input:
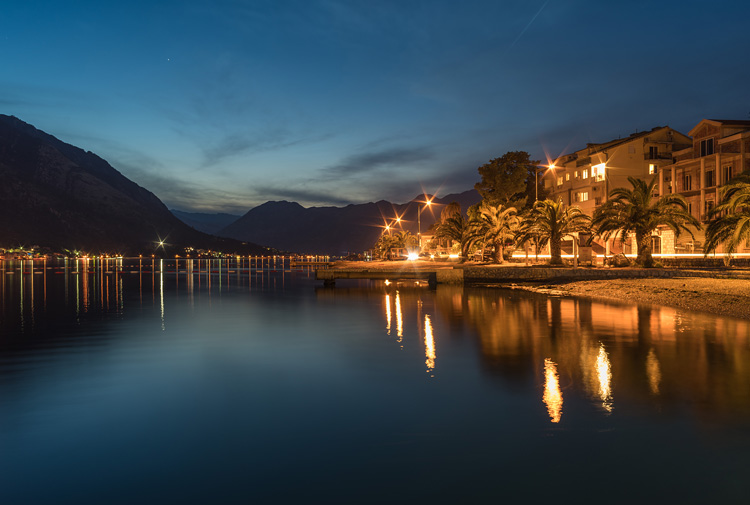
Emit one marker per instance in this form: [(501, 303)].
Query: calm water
[(240, 383)]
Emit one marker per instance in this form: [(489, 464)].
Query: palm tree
[(498, 226), (730, 220), (459, 229), (550, 222), (636, 211)]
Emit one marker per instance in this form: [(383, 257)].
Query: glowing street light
[(551, 166), (426, 203)]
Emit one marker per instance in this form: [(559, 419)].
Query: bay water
[(246, 381)]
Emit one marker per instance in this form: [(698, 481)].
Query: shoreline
[(719, 292), (720, 297)]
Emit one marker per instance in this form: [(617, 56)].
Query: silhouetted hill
[(333, 230), (56, 195), (207, 223)]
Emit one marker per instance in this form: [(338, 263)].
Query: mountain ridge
[(59, 196), (335, 230)]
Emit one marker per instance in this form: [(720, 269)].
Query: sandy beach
[(724, 297)]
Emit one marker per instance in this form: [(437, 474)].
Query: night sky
[(222, 105)]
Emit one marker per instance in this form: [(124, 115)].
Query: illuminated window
[(586, 174), (567, 177), (576, 174), (651, 168), (559, 180), (582, 196), (598, 171)]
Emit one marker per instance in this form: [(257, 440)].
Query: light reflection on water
[(221, 381)]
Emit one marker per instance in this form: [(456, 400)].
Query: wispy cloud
[(377, 159)]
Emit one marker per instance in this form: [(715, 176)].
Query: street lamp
[(536, 179), (427, 203)]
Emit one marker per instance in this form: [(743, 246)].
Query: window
[(687, 182), (567, 177), (710, 179), (727, 173), (576, 174), (690, 208), (598, 200), (707, 147), (653, 153), (582, 196), (651, 168), (586, 173), (709, 206), (598, 171), (559, 180)]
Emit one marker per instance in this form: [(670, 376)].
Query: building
[(718, 151), (586, 177)]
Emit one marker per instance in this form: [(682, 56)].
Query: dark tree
[(509, 180)]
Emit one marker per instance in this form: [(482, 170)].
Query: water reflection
[(552, 395), (653, 372), (608, 351), (429, 344)]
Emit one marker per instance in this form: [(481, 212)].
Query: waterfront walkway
[(510, 273)]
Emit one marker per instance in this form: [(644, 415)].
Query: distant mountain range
[(334, 230), (56, 195), (207, 223)]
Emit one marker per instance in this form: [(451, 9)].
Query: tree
[(635, 211), (549, 222), (459, 229), (505, 180), (730, 219), (499, 225)]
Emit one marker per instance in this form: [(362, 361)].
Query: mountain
[(56, 195), (334, 230), (207, 223)]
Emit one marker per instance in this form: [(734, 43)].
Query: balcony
[(657, 156)]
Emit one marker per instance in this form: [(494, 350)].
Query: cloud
[(374, 160)]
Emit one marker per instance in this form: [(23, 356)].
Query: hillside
[(56, 195), (205, 222)]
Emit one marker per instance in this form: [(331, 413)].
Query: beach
[(719, 296)]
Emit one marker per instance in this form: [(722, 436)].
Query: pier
[(393, 271)]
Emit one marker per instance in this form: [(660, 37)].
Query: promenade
[(723, 292)]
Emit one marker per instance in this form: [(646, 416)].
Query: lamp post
[(536, 179), (427, 203)]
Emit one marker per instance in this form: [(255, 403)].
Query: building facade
[(719, 150), (586, 177)]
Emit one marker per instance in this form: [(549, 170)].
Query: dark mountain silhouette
[(334, 230), (207, 223), (56, 195)]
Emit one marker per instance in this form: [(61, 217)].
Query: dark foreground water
[(135, 383)]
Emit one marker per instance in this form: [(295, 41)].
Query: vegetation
[(387, 242), (549, 222), (730, 220), (634, 211), (508, 180), (498, 226)]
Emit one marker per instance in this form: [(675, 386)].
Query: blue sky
[(221, 105)]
